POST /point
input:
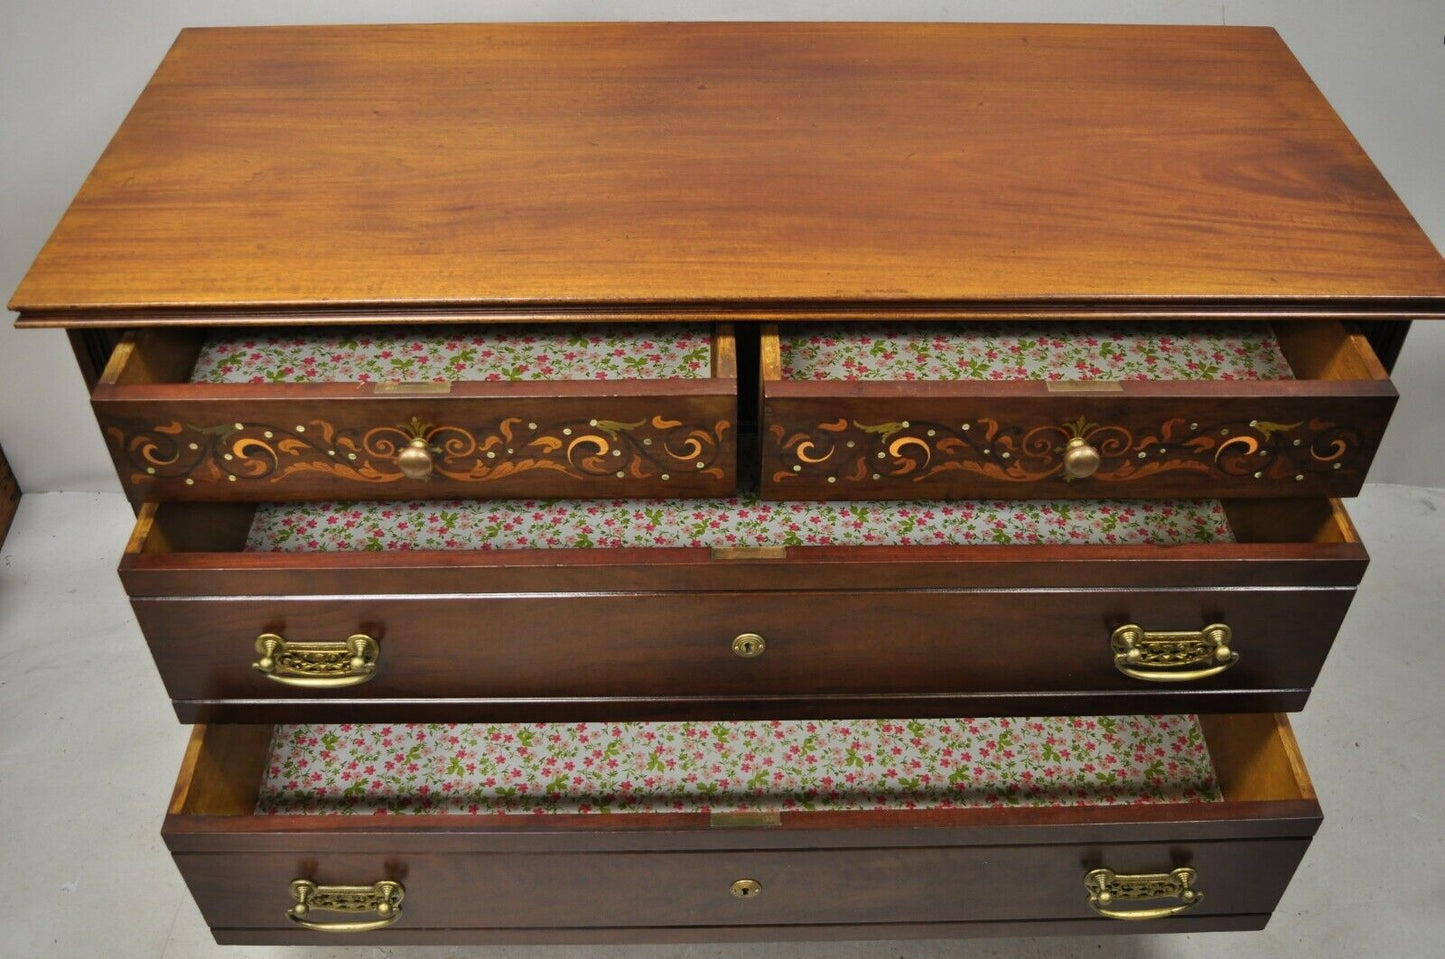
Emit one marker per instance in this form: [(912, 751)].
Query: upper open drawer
[(422, 413), (868, 411)]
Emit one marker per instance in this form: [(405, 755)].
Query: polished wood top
[(760, 170)]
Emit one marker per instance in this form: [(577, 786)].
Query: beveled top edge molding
[(1379, 308)]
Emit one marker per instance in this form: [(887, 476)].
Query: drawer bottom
[(748, 866), (705, 934)]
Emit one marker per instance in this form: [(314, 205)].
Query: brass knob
[(415, 461), (746, 889), (749, 645), (1080, 459)]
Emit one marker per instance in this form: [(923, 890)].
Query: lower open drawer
[(763, 830)]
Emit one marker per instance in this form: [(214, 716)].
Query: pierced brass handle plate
[(746, 889), (1173, 657), (317, 665), (382, 898), (749, 645), (1106, 888)]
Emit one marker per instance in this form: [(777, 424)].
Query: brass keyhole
[(749, 645), (746, 889)]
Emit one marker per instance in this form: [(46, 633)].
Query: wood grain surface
[(9, 496), (630, 655), (549, 170)]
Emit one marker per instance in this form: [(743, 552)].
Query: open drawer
[(737, 608), (728, 831), (422, 412), (868, 411)]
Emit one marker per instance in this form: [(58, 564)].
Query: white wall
[(69, 70)]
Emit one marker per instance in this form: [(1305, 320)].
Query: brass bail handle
[(1173, 656), (1108, 888), (416, 460), (1080, 459), (382, 898), (324, 665)]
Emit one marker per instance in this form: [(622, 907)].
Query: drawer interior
[(675, 769), (741, 522), (1103, 351), (423, 354), (736, 766)]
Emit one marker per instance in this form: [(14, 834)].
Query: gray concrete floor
[(89, 750)]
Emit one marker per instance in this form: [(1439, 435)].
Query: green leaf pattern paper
[(736, 522), (1032, 351), (735, 766), (442, 354)]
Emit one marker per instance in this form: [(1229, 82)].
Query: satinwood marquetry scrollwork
[(649, 448), (851, 453)]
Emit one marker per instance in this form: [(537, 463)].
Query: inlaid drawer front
[(473, 833), (860, 411), (422, 412), (497, 609)]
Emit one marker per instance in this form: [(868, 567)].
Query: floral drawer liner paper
[(447, 353), (1030, 351), (736, 766), (738, 522)]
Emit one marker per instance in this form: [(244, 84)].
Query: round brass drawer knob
[(1080, 459), (749, 645), (415, 461), (746, 889)]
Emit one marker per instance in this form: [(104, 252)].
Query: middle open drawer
[(578, 609), (388, 412)]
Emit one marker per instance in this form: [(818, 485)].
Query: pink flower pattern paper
[(540, 768), (741, 521), (451, 353), (1031, 351)]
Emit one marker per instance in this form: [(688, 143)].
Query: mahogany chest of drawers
[(640, 482)]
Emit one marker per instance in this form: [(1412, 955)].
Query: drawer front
[(1016, 425), (673, 440), (968, 442), (680, 889), (781, 654)]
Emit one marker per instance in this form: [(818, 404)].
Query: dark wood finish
[(172, 439), (9, 497), (809, 887), (350, 708), (1310, 436), (646, 633), (475, 658), (93, 348), (518, 875), (1292, 543), (1387, 338), (839, 932), (662, 170)]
